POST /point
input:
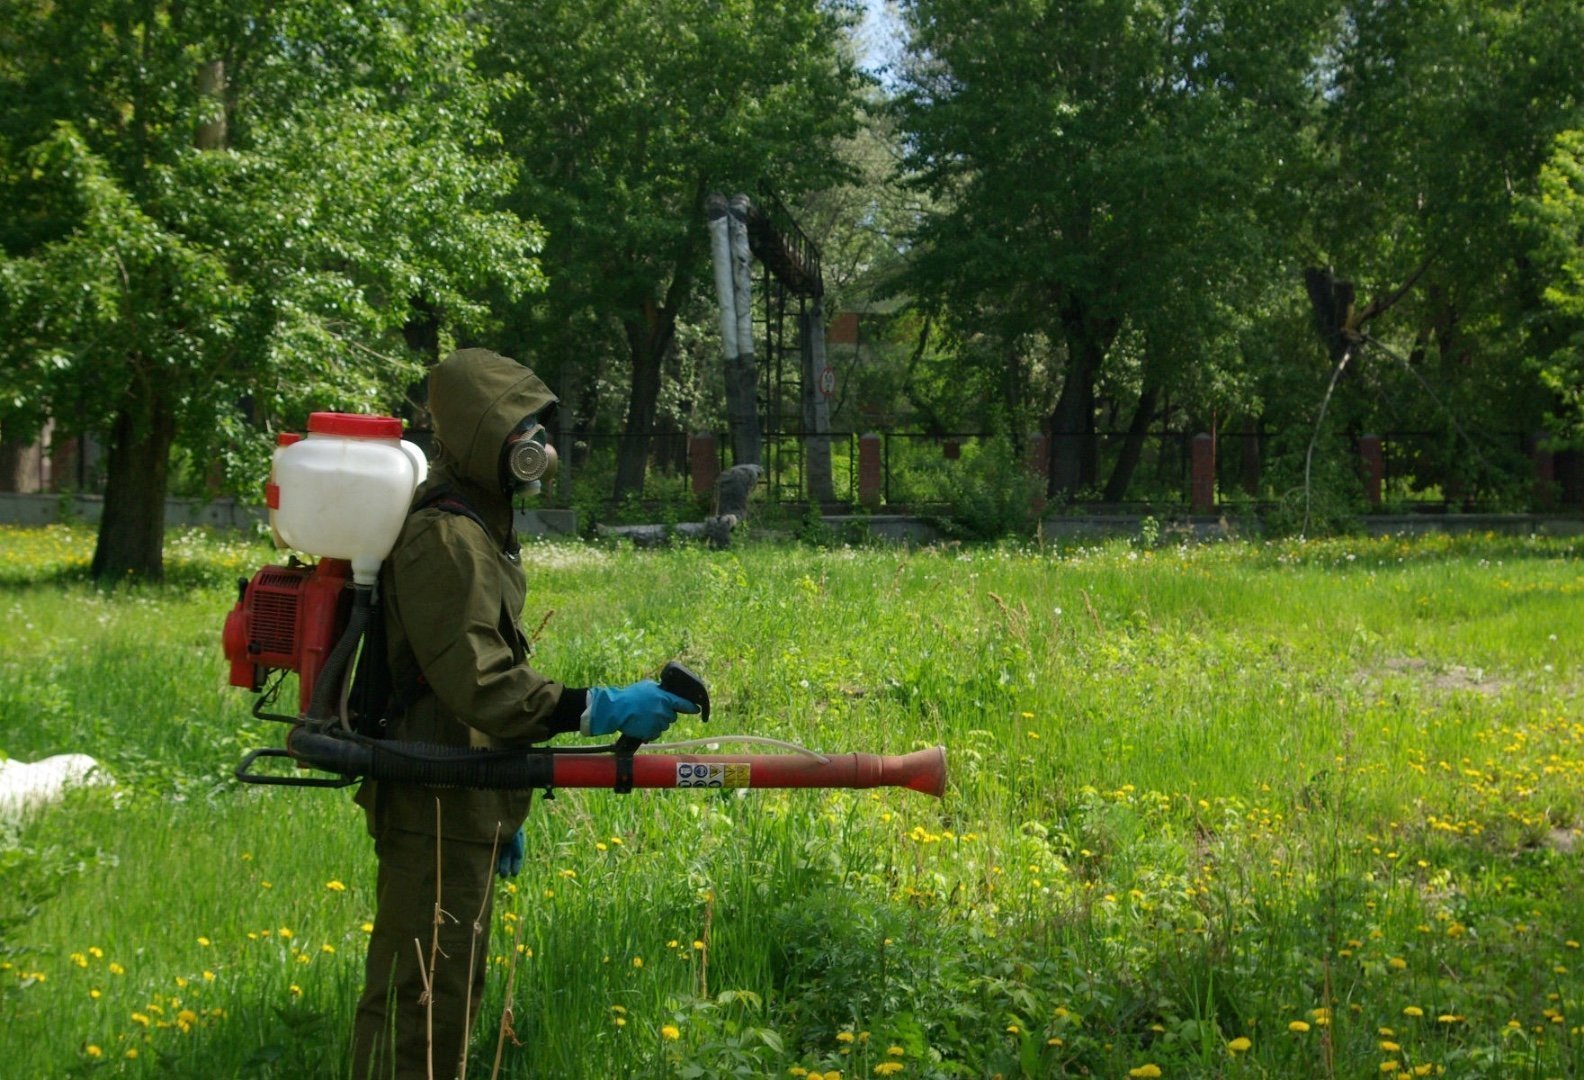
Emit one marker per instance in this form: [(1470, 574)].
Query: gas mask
[(527, 459)]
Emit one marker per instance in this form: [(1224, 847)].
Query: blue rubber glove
[(510, 859), (641, 710)]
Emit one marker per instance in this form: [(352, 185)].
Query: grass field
[(1236, 810)]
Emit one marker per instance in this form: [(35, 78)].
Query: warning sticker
[(699, 774)]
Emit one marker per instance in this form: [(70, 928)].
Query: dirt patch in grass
[(1452, 678)]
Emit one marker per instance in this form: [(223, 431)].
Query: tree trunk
[(1071, 424), (1074, 458), (647, 341), (1132, 445), (132, 530)]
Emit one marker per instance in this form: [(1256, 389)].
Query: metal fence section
[(1418, 470)]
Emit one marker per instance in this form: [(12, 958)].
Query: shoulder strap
[(447, 500)]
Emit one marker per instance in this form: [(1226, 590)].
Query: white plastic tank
[(343, 492)]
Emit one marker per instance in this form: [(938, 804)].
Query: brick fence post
[(869, 479), (1369, 448), (1545, 487), (703, 462), (1039, 468), (1203, 490)]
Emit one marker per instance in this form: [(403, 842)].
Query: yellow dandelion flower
[(205, 942), (1298, 1026), (116, 969), (1053, 1042), (1390, 1066), (181, 982), (620, 1021), (1423, 1070), (1389, 1046), (845, 1036), (79, 959), (1448, 1018), (1397, 963), (1413, 1010), (139, 1018), (131, 1053), (888, 1068), (367, 928), (208, 976), (285, 933), (327, 948), (187, 1016), (896, 1051), (93, 1051), (294, 990), (335, 886), (1240, 1044), (96, 952), (619, 1010), (1145, 1072), (669, 1033), (637, 961), (94, 993), (599, 846), (1013, 1029)]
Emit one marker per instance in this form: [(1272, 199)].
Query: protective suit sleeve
[(453, 609)]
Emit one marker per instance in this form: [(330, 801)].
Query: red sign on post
[(827, 380)]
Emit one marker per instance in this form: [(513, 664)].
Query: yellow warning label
[(739, 775)]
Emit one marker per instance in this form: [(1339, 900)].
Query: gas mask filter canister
[(528, 458)]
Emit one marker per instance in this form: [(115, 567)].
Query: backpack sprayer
[(341, 495)]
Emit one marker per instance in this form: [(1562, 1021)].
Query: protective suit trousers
[(395, 1034)]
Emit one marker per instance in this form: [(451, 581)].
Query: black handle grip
[(684, 684)]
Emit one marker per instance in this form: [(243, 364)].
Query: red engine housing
[(288, 618)]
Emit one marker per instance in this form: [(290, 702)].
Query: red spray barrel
[(922, 770), (450, 766)]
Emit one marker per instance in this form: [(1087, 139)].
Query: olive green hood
[(477, 397)]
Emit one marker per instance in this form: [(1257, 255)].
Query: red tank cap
[(286, 438), (354, 425)]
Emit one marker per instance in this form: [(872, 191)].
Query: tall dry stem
[(479, 929), (508, 1014)]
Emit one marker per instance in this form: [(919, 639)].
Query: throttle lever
[(676, 679)]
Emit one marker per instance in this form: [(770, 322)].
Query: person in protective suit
[(453, 590)]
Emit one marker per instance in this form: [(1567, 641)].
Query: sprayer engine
[(287, 618)]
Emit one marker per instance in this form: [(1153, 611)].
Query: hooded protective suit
[(453, 595), (453, 591)]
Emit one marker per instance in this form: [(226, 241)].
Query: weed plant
[(1281, 809)]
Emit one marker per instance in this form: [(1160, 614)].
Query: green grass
[(1197, 795)]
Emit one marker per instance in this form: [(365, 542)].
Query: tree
[(625, 115), (225, 216), (1554, 218), (1110, 172), (1438, 119)]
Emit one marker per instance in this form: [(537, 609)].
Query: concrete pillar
[(703, 463), (1203, 474), (1374, 463), (869, 476)]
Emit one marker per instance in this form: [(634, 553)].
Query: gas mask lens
[(530, 458)]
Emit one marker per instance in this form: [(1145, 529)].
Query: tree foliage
[(1113, 176), (624, 115), (225, 214)]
